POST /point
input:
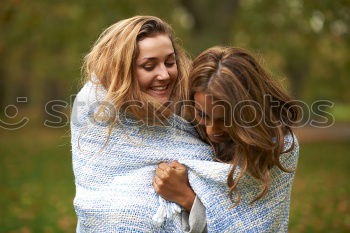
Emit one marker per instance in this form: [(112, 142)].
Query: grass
[(37, 188), (321, 192)]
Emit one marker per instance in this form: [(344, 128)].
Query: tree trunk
[(212, 21)]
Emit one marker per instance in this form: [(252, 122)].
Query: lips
[(218, 137), (160, 90)]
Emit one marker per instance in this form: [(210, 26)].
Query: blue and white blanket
[(114, 191)]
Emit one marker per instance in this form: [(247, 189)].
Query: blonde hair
[(232, 75), (112, 61)]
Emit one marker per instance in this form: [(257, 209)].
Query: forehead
[(207, 104), (155, 47)]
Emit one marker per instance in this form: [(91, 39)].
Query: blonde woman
[(247, 118), (123, 126)]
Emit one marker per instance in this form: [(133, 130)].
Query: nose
[(163, 73)]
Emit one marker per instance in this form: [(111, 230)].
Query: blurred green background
[(42, 43)]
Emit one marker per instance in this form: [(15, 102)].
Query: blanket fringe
[(165, 210)]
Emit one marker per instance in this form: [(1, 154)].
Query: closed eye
[(148, 67), (201, 114), (170, 61), (170, 64)]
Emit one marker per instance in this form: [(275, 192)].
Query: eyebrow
[(215, 119), (155, 58)]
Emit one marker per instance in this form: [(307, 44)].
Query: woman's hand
[(171, 183)]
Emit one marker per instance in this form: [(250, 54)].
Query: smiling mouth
[(218, 135), (217, 138), (160, 88)]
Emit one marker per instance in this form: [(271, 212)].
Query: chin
[(163, 100), (219, 139)]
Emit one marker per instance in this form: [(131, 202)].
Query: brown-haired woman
[(247, 118)]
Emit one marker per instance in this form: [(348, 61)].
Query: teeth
[(218, 135), (159, 88)]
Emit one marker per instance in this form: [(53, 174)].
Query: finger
[(155, 186), (175, 164), (170, 170), (163, 165), (160, 173), (158, 182)]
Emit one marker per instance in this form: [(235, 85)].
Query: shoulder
[(290, 155), (91, 92), (86, 102)]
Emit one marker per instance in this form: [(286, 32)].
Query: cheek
[(225, 129), (173, 72), (143, 78), (199, 120)]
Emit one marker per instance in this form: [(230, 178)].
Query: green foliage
[(305, 40), (341, 113), (42, 42)]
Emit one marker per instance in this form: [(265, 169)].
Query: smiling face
[(211, 114), (156, 68)]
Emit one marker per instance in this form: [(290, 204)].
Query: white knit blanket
[(114, 191)]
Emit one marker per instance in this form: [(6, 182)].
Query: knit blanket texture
[(114, 191)]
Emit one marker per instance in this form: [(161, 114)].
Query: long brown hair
[(233, 76), (111, 63)]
